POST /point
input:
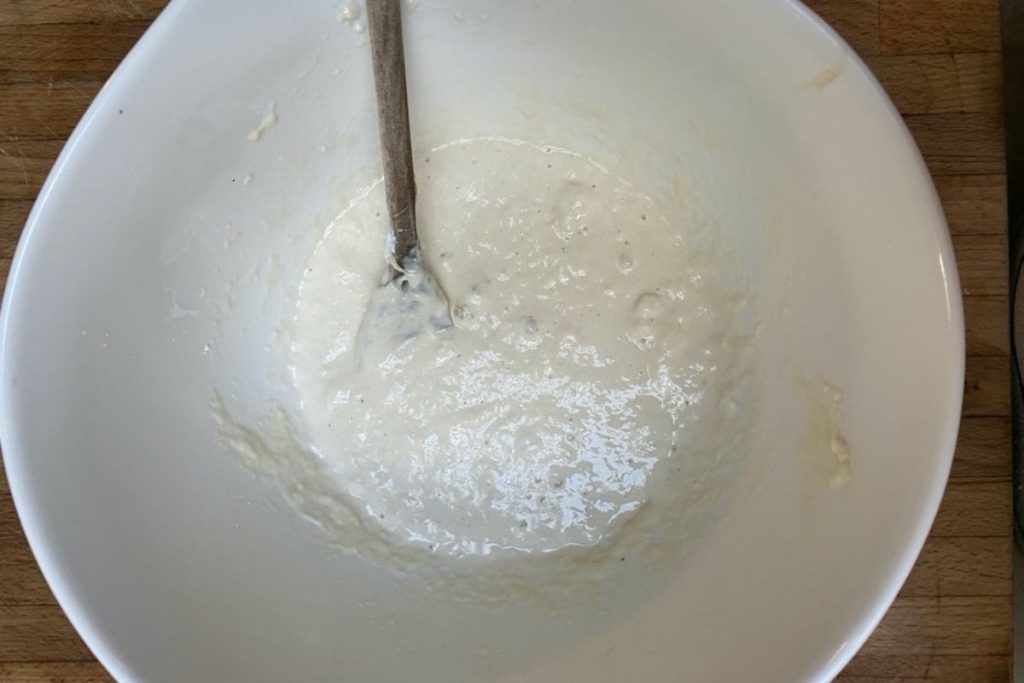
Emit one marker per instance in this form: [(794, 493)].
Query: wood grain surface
[(940, 62)]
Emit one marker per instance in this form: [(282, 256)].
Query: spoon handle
[(384, 18)]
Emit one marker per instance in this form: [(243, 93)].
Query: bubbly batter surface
[(595, 370)]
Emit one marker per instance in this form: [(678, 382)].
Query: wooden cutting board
[(939, 60)]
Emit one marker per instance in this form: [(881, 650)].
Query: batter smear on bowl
[(596, 371)]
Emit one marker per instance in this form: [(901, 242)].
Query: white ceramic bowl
[(175, 564)]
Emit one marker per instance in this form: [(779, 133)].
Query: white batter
[(595, 374)]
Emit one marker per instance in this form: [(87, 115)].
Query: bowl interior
[(165, 250)]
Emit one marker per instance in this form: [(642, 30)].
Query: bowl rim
[(900, 567)]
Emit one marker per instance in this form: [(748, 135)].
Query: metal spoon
[(385, 22), (410, 289)]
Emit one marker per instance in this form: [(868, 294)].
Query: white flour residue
[(825, 445), (268, 121), (827, 76), (349, 13)]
